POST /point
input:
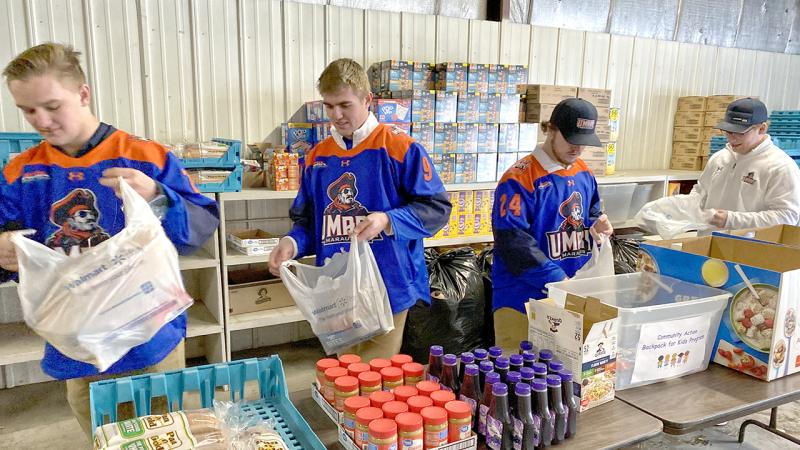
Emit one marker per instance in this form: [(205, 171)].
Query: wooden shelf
[(200, 260), (200, 322), (266, 318), (471, 186), (18, 343), (257, 194), (683, 175), (460, 240), (233, 259)]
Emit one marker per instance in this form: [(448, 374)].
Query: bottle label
[(435, 438), (470, 401), (516, 438), (392, 446), (433, 378), (411, 444), (494, 433), (483, 411)]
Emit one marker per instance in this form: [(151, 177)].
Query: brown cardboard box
[(777, 234), (603, 115), (600, 98), (538, 112), (603, 133), (689, 119), (547, 94), (687, 149), (692, 103), (598, 167), (687, 134), (720, 102), (713, 118), (256, 295), (705, 148), (686, 163), (594, 153), (709, 132)]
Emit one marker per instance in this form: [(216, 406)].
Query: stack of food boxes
[(282, 170), (471, 214)]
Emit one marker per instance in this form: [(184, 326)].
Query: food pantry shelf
[(234, 258), (200, 260), (19, 344), (278, 316), (461, 240), (200, 322)]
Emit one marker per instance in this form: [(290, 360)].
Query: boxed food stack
[(542, 98), (282, 170), (688, 134)]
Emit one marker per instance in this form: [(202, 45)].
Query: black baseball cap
[(743, 114), (576, 119)]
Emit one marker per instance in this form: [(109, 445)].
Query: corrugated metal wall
[(177, 70)]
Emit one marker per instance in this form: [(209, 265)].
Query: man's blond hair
[(49, 58), (342, 73)]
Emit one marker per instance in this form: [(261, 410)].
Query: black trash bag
[(626, 254), (485, 260), (455, 318)]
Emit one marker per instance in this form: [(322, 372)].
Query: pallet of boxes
[(695, 119)]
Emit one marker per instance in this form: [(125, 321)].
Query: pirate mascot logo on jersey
[(572, 238), (344, 212), (78, 218)]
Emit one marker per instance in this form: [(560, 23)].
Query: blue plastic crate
[(232, 184), (785, 114), (16, 143), (230, 159), (274, 403)]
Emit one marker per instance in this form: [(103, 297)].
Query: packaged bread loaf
[(175, 430)]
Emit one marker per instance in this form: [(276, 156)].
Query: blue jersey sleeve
[(302, 214), (10, 216), (514, 212), (428, 208), (594, 204)]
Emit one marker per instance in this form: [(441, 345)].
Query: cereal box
[(508, 138), (422, 77), (528, 136), (487, 138), (394, 110), (321, 131), (498, 78), (396, 75), (451, 77), (465, 224), (298, 138), (509, 108), (486, 169), (504, 162), (483, 201), (445, 137), (315, 112), (468, 107), (489, 111), (517, 74), (465, 167), (422, 132), (463, 202), (467, 138), (400, 126), (446, 109), (478, 78)]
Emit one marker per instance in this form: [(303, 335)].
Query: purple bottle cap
[(539, 368), (437, 350), (566, 375), (467, 358), (553, 380), (492, 378), (526, 373), (480, 353), (495, 351), (499, 389), (529, 355), (522, 389), (556, 365), (545, 354), (486, 366), (526, 345), (501, 362), (516, 360), (539, 385), (471, 369), (513, 377), (450, 359)]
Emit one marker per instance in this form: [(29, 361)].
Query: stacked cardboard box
[(687, 135), (282, 170), (598, 158)]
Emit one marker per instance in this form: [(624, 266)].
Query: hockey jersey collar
[(546, 161), (761, 148), (359, 135)]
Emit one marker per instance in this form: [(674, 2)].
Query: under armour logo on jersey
[(570, 182), (346, 163), (75, 176)]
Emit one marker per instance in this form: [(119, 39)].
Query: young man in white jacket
[(751, 183)]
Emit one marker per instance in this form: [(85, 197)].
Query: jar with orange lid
[(399, 359), (434, 420), (356, 369), (440, 398), (369, 382), (383, 434), (419, 402), (427, 387), (409, 431), (364, 417), (378, 398), (392, 377), (376, 364), (393, 408), (344, 388), (330, 378), (351, 406), (413, 373), (459, 420), (403, 393), (323, 365), (347, 359)]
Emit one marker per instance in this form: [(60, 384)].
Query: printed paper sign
[(670, 349)]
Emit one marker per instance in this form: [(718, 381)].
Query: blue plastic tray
[(229, 160), (232, 184), (16, 143), (105, 395)]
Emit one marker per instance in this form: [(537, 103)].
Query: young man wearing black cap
[(751, 182), (545, 210)]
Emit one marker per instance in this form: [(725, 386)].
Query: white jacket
[(759, 189)]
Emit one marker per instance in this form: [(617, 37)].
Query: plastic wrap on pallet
[(463, 9), (765, 25), (416, 6), (709, 22), (520, 11), (653, 19), (589, 15)]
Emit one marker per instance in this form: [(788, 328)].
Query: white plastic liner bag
[(671, 216), (601, 264), (97, 305), (345, 300)]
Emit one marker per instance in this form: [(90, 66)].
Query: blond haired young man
[(66, 189), (375, 181)]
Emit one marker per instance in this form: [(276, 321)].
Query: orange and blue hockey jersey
[(541, 219), (387, 172), (61, 198)]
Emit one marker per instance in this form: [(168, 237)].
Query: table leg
[(772, 427)]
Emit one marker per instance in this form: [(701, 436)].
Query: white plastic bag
[(670, 216), (345, 300), (601, 264), (97, 305)]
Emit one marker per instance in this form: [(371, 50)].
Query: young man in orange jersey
[(66, 188), (375, 181)]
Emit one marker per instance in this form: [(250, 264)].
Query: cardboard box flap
[(593, 312), (752, 253), (778, 234)]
